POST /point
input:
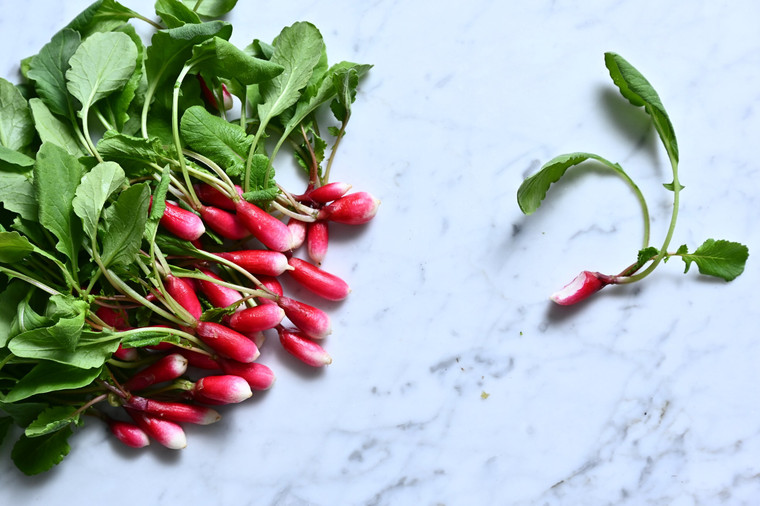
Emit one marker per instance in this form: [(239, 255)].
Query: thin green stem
[(194, 202), (23, 277)]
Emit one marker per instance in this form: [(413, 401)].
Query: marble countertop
[(455, 380)]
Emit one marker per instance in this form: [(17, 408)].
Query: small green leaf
[(644, 256), (101, 16), (23, 413), (211, 8), (93, 192), (134, 154), (16, 125), (672, 187), (218, 139), (158, 205), (52, 419), (262, 183), (635, 87), (48, 377), (125, 225), (48, 71), (723, 259), (53, 130), (36, 455), (17, 195), (14, 247), (174, 13), (221, 59)]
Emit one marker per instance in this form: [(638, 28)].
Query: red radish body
[(182, 223), (583, 286), (166, 368), (224, 389), (224, 223), (304, 349), (129, 433), (126, 354), (312, 321), (271, 284), (329, 192), (183, 292), (113, 318), (273, 233), (258, 376), (199, 360), (353, 209), (318, 281), (211, 97), (166, 432), (258, 261), (257, 318), (213, 197), (227, 342), (174, 411), (218, 295), (298, 230), (317, 237)]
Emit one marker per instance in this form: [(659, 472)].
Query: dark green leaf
[(14, 161), (219, 58), (52, 419), (212, 8), (5, 424), (14, 247), (262, 183), (635, 87), (40, 454), (48, 377), (16, 125), (53, 130), (125, 225), (174, 13), (10, 298), (158, 205), (23, 413), (101, 16), (93, 193), (224, 142), (134, 154), (48, 71), (723, 259), (17, 195), (346, 81), (644, 256)]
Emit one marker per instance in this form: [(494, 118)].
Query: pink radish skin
[(318, 281), (167, 368), (213, 197), (166, 432), (183, 292), (353, 209), (257, 318), (224, 223), (271, 232), (583, 286), (317, 237), (227, 342), (273, 285), (307, 351), (200, 360), (223, 389), (182, 223), (258, 376), (329, 192), (218, 295), (258, 261), (298, 230), (312, 321), (175, 411), (129, 434)]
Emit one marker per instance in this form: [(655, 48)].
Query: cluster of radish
[(175, 381)]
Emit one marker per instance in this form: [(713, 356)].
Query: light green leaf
[(723, 259), (221, 59), (14, 161), (117, 105), (17, 195), (14, 247), (51, 420), (52, 130), (134, 154), (48, 71), (101, 16), (158, 205), (346, 82), (211, 8), (93, 193), (262, 183), (16, 125), (224, 142), (56, 177), (174, 13), (125, 226), (48, 377), (92, 349), (102, 64), (639, 92), (36, 455), (11, 297)]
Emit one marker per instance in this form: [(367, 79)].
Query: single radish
[(353, 209), (304, 349), (174, 411), (317, 237), (213, 197), (298, 230), (223, 389), (258, 376), (258, 261), (182, 223), (227, 342), (166, 368), (271, 232), (218, 295), (224, 223), (182, 291), (211, 97), (312, 321), (166, 432), (329, 192), (257, 318), (583, 286), (199, 360), (318, 281), (128, 433)]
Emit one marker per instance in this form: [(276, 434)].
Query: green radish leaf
[(23, 413), (211, 8), (722, 259), (639, 92), (158, 205), (125, 225), (644, 256), (16, 125), (5, 425), (52, 419), (54, 131), (48, 71), (36, 455), (262, 183), (56, 177), (102, 64), (148, 339), (14, 247), (92, 349), (117, 104), (216, 138), (533, 190), (17, 195), (134, 154), (93, 193), (10, 298), (174, 13), (101, 16), (14, 161), (48, 377), (298, 50), (346, 81), (221, 59)]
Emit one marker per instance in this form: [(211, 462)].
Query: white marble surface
[(648, 394)]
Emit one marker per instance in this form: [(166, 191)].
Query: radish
[(353, 209), (182, 223), (258, 261), (128, 433), (273, 233), (227, 342), (224, 223), (318, 281), (182, 291), (300, 346), (199, 360), (218, 295), (223, 389), (583, 286), (328, 193), (166, 368), (174, 411), (317, 237), (166, 432), (258, 376), (312, 321), (213, 197), (257, 318), (298, 230)]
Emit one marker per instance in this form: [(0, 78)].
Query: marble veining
[(455, 381)]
